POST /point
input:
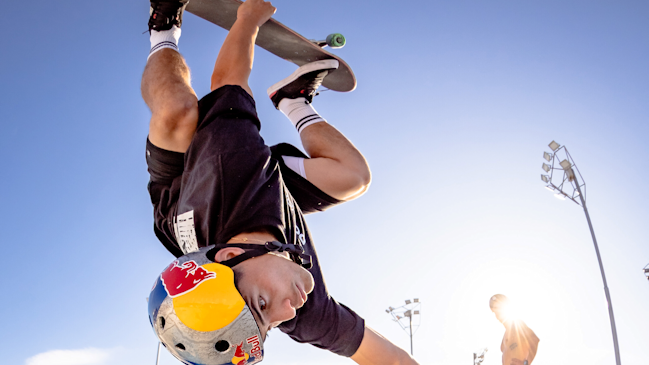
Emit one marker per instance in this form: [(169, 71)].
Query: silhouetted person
[(519, 343)]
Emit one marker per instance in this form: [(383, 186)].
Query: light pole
[(157, 358), (409, 310), (571, 187), (478, 357)]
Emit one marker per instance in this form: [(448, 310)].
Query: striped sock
[(164, 39), (300, 113)]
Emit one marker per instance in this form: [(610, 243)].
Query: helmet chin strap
[(296, 253)]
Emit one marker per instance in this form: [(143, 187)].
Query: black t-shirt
[(230, 182)]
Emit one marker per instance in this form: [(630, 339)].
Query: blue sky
[(456, 102)]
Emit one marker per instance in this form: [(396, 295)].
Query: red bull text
[(256, 349)]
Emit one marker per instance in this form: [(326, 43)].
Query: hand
[(256, 11)]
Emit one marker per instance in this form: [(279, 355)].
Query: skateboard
[(282, 41)]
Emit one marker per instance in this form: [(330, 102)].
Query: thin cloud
[(89, 356)]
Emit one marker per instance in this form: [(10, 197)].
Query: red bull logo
[(240, 356), (181, 279), (203, 296)]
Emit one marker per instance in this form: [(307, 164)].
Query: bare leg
[(335, 166), (234, 62), (167, 90)]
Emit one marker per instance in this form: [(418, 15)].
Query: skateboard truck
[(334, 40)]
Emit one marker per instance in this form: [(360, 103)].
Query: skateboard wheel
[(336, 40)]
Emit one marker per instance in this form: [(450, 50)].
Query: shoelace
[(315, 84)]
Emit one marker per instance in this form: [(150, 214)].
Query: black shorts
[(228, 179)]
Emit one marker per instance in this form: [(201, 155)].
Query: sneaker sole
[(304, 69)]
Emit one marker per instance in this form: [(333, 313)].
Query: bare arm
[(377, 350), (234, 62)]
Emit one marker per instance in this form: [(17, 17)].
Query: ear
[(227, 253)]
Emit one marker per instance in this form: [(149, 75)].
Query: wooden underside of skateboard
[(279, 40)]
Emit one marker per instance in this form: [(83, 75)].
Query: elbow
[(365, 177), (358, 183), (403, 358), (406, 359)]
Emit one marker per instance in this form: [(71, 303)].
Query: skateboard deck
[(277, 39)]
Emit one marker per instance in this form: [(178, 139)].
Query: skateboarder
[(519, 343), (221, 196)]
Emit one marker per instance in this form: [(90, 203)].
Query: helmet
[(199, 315)]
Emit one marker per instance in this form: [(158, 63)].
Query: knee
[(176, 115), (173, 125)]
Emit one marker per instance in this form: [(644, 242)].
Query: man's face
[(499, 313), (273, 286)]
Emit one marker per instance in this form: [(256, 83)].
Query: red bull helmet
[(199, 315)]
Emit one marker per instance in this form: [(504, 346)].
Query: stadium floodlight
[(478, 357), (410, 310), (570, 185), (547, 156), (554, 146)]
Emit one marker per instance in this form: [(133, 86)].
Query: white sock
[(300, 113), (164, 39)]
